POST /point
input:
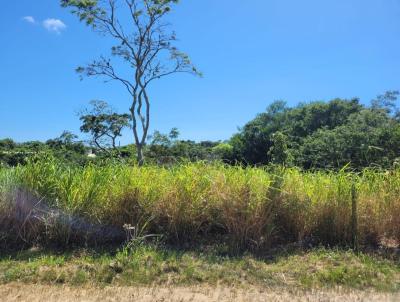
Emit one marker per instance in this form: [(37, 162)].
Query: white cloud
[(54, 25), (29, 19)]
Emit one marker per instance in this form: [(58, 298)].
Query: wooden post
[(354, 218)]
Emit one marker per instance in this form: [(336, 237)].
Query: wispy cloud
[(51, 24), (54, 25), (29, 19)]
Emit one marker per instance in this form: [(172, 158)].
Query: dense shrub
[(322, 135)]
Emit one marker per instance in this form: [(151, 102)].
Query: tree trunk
[(140, 157)]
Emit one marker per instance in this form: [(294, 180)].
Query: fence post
[(354, 217)]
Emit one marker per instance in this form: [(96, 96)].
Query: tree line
[(323, 135), (314, 135)]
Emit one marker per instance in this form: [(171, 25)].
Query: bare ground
[(38, 293)]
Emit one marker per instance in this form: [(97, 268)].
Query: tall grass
[(246, 208), (8, 225)]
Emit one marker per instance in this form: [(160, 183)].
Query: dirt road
[(38, 293)]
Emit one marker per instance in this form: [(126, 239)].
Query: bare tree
[(144, 42)]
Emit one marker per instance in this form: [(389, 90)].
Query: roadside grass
[(250, 208), (148, 265)]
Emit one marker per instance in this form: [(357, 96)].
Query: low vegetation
[(320, 268), (49, 203)]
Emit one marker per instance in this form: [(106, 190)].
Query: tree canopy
[(323, 134)]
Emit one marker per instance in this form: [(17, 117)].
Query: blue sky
[(251, 53)]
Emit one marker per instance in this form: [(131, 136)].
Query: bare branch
[(103, 67)]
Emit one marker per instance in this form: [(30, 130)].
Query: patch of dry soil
[(38, 293)]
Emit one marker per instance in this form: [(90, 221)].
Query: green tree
[(386, 102), (223, 151), (104, 125), (161, 144), (67, 148), (323, 135), (7, 144), (143, 42), (279, 152), (369, 138), (255, 140)]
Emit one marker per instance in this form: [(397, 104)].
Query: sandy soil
[(39, 293)]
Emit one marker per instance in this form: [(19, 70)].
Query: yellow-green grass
[(245, 207)]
